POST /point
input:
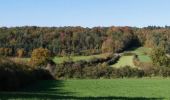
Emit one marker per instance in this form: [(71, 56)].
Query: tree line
[(65, 40), (62, 41)]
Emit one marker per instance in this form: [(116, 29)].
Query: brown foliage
[(40, 56), (20, 53)]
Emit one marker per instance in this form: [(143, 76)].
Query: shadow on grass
[(51, 90), (40, 96)]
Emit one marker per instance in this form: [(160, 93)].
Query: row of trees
[(79, 40), (20, 52), (154, 38)]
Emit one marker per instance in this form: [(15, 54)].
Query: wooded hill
[(80, 41)]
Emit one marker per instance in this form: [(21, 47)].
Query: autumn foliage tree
[(5, 51), (40, 56), (20, 53), (107, 46), (63, 41), (159, 57)]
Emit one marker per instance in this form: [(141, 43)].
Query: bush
[(14, 76), (99, 68), (69, 70), (72, 70), (159, 57), (20, 53), (40, 56), (104, 71), (136, 60), (95, 61), (127, 71), (128, 54)]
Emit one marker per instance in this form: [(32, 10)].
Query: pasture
[(142, 53), (59, 60), (124, 61), (119, 89)]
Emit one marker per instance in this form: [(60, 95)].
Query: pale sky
[(86, 13)]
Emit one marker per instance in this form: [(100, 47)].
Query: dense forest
[(80, 41)]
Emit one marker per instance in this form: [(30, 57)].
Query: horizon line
[(2, 26)]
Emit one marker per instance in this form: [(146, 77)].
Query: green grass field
[(77, 58), (144, 58), (128, 60), (119, 89), (123, 61), (140, 50), (142, 53)]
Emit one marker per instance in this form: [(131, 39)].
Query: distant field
[(65, 58), (123, 61), (140, 50), (144, 58), (142, 53), (19, 59), (77, 58), (119, 89)]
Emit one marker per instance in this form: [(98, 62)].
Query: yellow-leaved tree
[(20, 53), (40, 56)]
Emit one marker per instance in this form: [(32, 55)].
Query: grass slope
[(123, 61), (144, 58), (121, 89), (142, 53)]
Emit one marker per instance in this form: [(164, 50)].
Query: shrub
[(5, 51), (40, 56), (14, 76), (128, 54), (20, 53), (136, 60), (159, 57), (90, 72), (113, 60), (76, 70), (96, 69)]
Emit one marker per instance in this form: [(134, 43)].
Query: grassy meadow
[(119, 89), (142, 53), (123, 61), (59, 60)]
